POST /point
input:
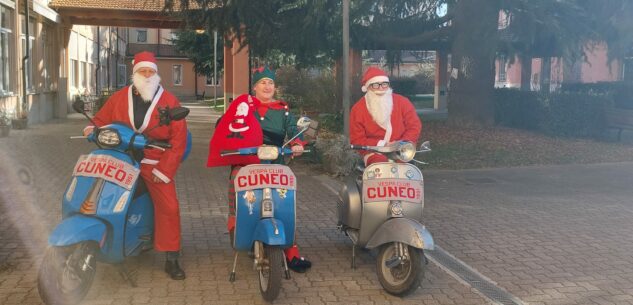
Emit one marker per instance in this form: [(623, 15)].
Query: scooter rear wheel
[(270, 274), (66, 273), (403, 278)]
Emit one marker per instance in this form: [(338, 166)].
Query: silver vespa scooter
[(383, 209)]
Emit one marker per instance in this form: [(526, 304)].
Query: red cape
[(236, 129)]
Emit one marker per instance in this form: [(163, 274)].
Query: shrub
[(574, 114), (307, 90), (517, 109), (620, 93), (336, 156), (403, 85)]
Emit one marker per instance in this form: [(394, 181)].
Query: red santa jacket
[(405, 123), (119, 109)]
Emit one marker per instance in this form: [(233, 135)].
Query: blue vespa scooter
[(107, 212), (265, 213)]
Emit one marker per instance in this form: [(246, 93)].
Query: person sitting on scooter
[(138, 106), (381, 116), (277, 124)]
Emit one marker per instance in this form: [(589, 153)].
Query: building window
[(5, 38), (73, 73), (502, 68), (177, 75), (141, 35), (29, 62), (121, 73)]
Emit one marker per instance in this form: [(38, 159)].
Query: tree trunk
[(526, 72), (546, 74), (473, 55)]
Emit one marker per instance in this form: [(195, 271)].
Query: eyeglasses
[(383, 85)]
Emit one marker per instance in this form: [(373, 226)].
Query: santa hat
[(263, 73), (144, 60), (373, 75)]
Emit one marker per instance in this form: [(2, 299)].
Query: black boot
[(173, 268), (299, 264)]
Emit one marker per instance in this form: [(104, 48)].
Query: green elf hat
[(262, 73)]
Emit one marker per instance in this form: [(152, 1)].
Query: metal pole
[(25, 59), (215, 69), (346, 93)]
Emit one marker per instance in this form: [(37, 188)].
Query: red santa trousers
[(166, 211)]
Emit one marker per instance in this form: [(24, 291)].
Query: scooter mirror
[(78, 106), (304, 122), (426, 145), (178, 113)]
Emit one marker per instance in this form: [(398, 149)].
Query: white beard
[(380, 107), (146, 87)]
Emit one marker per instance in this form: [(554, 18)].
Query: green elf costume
[(277, 124)]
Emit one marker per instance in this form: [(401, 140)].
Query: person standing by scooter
[(277, 124), (138, 106), (381, 116)]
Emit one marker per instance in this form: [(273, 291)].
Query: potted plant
[(5, 123), (21, 120)]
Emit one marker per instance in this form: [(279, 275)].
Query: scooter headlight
[(108, 137), (406, 152), (395, 209), (266, 152)]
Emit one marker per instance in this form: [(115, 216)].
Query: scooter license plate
[(393, 189), (107, 168)]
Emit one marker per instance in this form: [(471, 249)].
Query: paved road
[(550, 235)]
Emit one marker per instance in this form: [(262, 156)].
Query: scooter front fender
[(402, 230), (78, 228), (271, 231)]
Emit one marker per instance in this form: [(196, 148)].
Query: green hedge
[(620, 93), (574, 114), (567, 114), (518, 109)]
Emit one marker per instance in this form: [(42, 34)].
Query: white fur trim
[(381, 143), (149, 161), (375, 79), (144, 64), (366, 157), (148, 115), (160, 175)]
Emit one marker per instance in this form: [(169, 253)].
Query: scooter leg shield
[(78, 228), (271, 232), (404, 230)]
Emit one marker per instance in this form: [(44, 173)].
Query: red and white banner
[(108, 168), (393, 189), (265, 175)]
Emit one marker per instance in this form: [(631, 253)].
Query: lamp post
[(346, 93), (215, 68)]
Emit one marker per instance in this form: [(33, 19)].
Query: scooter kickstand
[(127, 275), (286, 267), (353, 256), (232, 276)]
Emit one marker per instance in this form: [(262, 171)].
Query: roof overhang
[(123, 13), (122, 18)]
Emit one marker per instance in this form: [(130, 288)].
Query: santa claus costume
[(275, 124), (381, 117), (138, 107)]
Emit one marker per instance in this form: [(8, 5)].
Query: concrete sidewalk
[(547, 235)]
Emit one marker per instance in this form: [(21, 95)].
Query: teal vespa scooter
[(107, 213)]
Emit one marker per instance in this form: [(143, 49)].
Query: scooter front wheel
[(270, 273), (400, 273), (66, 273)]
